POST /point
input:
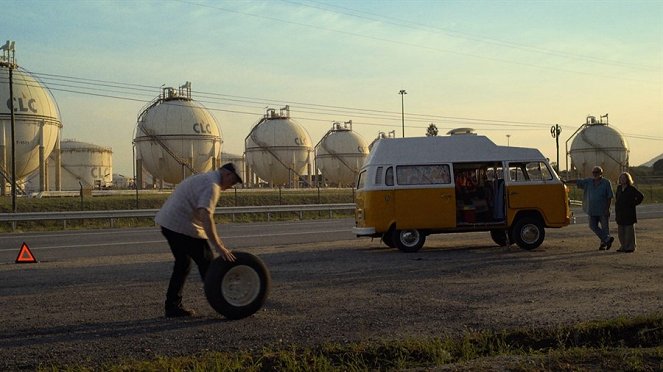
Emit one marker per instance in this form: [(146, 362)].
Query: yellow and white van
[(409, 188)]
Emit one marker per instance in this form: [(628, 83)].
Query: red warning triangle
[(25, 255)]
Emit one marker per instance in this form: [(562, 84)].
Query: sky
[(508, 69)]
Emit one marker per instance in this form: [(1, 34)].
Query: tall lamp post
[(402, 92), (8, 60)]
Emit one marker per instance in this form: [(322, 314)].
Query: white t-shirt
[(197, 191)]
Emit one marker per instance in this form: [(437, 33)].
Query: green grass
[(617, 344)]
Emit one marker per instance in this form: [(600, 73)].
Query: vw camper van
[(409, 188)]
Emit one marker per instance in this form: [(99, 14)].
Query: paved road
[(97, 296), (53, 246)]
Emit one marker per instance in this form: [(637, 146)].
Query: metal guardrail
[(136, 213)]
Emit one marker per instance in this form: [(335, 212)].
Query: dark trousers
[(185, 249)]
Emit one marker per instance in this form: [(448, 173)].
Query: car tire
[(408, 241), (528, 233), (237, 289)]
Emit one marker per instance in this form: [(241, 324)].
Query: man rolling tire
[(187, 223), (239, 288)]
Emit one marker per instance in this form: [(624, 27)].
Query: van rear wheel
[(408, 240), (528, 233)]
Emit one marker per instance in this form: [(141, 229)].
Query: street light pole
[(9, 61), (402, 92)]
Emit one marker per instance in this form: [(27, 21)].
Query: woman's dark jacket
[(625, 203)]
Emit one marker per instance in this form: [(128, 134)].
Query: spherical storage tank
[(176, 137), (36, 122), (340, 154), (596, 143), (83, 165), (278, 149)]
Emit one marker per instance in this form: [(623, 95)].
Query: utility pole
[(555, 131), (402, 92), (8, 60)]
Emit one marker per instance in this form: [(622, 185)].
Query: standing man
[(187, 222), (596, 200)]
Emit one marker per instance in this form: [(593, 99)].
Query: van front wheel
[(528, 233), (409, 240)]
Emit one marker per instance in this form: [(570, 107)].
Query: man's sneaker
[(602, 247), (608, 244), (177, 312)]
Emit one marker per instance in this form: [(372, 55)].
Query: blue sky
[(505, 67)]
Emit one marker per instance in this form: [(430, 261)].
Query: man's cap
[(231, 168)]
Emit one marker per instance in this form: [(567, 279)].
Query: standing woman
[(627, 197)]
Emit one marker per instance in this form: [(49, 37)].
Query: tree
[(432, 130), (658, 167)]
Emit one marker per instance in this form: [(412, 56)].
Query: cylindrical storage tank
[(340, 154), (36, 123), (599, 144), (176, 137), (278, 150), (83, 165)]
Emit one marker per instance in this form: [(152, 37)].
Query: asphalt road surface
[(97, 296)]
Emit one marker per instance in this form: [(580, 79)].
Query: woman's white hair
[(629, 179)]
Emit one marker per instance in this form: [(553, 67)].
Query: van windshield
[(361, 180)]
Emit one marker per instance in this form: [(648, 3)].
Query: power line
[(322, 113)]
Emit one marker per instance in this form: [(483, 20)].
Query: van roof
[(454, 148)]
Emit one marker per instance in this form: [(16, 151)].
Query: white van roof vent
[(458, 131)]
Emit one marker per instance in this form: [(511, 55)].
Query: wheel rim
[(529, 234), (409, 238), (240, 285)]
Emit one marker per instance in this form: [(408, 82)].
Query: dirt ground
[(107, 309)]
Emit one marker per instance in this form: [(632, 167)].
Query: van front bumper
[(363, 231)]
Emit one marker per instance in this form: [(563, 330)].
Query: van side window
[(378, 176), (389, 177), (538, 171), (423, 174), (516, 173), (529, 171)]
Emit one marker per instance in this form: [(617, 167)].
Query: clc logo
[(23, 105), (201, 128)]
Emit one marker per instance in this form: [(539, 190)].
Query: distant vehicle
[(409, 188)]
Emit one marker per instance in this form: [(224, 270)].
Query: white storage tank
[(340, 154), (382, 135), (176, 137), (83, 164), (278, 150), (36, 124), (597, 143)]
